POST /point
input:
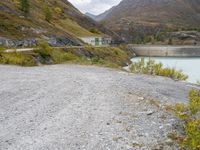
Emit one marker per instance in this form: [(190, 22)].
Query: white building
[(97, 40)]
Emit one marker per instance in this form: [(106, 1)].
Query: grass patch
[(190, 117), (109, 55), (59, 56), (17, 59), (113, 57), (150, 67), (2, 49), (75, 29)]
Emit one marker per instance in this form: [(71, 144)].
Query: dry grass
[(190, 116), (14, 58), (152, 68)]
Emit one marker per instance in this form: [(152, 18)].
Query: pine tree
[(25, 6), (48, 14)]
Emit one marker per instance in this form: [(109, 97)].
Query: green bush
[(95, 31), (44, 50), (152, 68), (25, 6), (47, 13), (190, 116)]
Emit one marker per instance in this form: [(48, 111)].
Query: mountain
[(138, 18), (101, 16), (57, 21), (91, 15)]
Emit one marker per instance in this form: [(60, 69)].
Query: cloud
[(94, 6)]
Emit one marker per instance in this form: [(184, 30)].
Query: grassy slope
[(62, 24), (110, 56)]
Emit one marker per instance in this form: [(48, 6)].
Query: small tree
[(47, 13), (25, 6), (58, 11), (170, 42)]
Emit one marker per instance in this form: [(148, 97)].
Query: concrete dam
[(165, 50)]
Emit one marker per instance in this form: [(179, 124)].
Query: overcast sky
[(94, 6)]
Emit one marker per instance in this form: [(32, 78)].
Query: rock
[(169, 142), (30, 42), (150, 112), (61, 41), (135, 143), (140, 98), (18, 43), (185, 37), (108, 123)]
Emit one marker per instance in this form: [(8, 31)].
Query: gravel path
[(71, 107)]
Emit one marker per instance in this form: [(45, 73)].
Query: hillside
[(58, 21), (133, 18)]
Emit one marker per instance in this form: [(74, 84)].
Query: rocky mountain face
[(135, 20), (57, 21)]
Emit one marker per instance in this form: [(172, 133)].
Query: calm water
[(190, 66)]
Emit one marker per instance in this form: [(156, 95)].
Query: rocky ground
[(71, 107)]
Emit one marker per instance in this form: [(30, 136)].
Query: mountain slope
[(149, 16), (101, 16), (91, 15), (66, 21)]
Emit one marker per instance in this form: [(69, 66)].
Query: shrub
[(47, 13), (170, 42), (190, 116), (25, 6), (152, 68), (58, 11), (95, 31), (44, 50)]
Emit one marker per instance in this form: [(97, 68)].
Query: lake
[(189, 65)]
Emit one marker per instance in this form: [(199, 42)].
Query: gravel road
[(71, 107)]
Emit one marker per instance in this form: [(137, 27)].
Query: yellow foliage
[(190, 115), (152, 68)]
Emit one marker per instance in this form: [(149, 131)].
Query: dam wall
[(165, 51)]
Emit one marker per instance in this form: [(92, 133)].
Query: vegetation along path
[(71, 107)]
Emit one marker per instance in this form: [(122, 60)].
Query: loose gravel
[(71, 107)]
